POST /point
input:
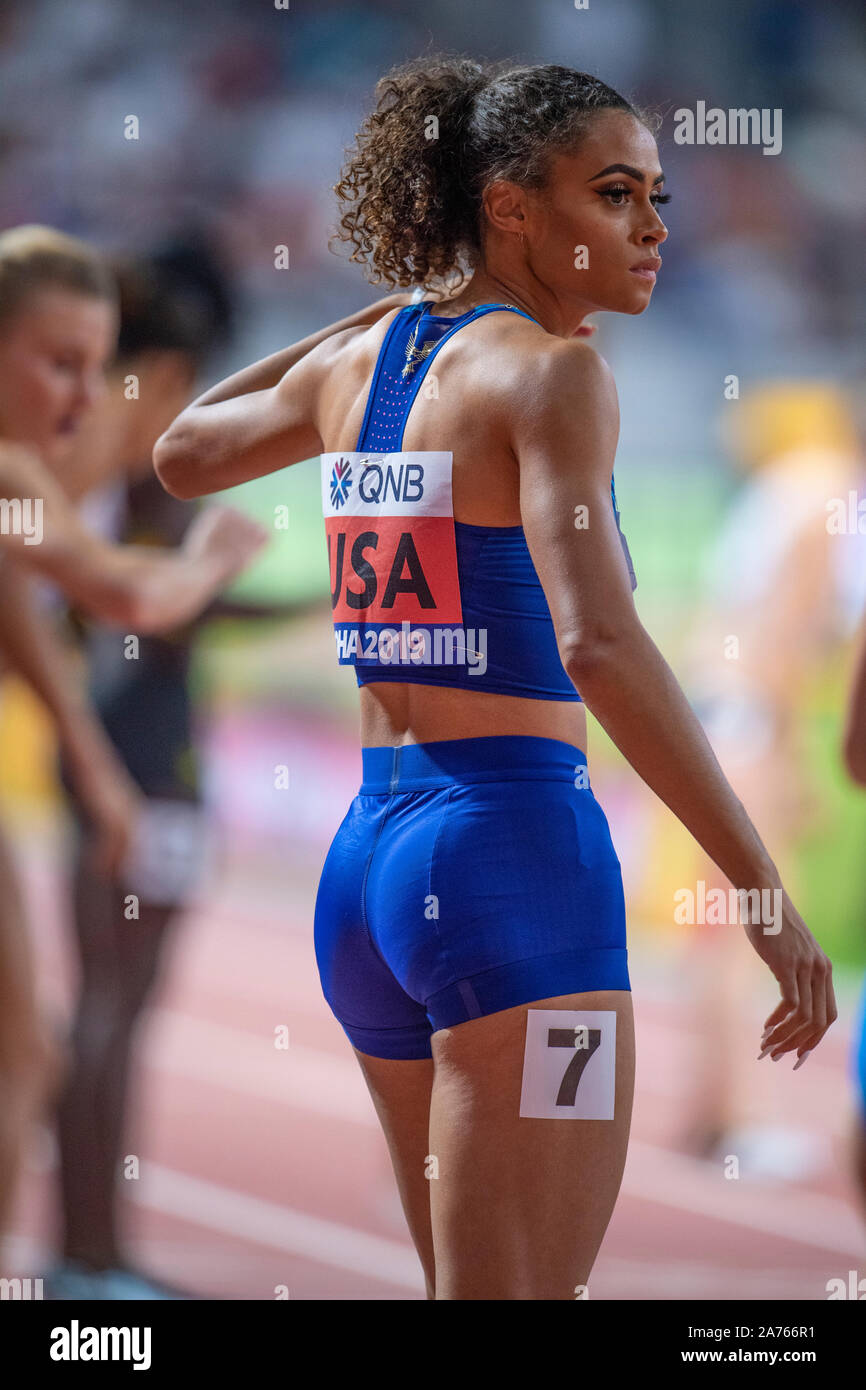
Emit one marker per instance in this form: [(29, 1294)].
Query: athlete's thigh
[(400, 1090), (18, 1015), (31, 1060), (521, 1203)]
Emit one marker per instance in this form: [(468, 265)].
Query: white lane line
[(238, 1060), (666, 1279), (809, 1218), (279, 1228), (326, 1084)]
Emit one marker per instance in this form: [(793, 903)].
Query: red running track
[(263, 1167)]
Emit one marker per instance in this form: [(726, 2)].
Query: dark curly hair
[(414, 185), (176, 298)]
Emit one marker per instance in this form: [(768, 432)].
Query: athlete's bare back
[(483, 375)]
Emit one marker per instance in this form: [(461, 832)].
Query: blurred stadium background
[(262, 1168)]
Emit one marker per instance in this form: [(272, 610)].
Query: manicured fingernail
[(776, 1056), (763, 1054), (802, 1060)]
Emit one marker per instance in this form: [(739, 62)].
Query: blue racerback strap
[(400, 369)]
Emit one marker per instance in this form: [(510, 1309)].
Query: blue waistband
[(493, 758)]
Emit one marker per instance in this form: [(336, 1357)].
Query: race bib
[(392, 554)]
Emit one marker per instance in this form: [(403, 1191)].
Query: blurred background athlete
[(174, 315), (854, 752), (776, 585), (473, 876), (58, 323)]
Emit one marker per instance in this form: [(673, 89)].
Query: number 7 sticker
[(569, 1064)]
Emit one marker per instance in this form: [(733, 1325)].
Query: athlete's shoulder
[(561, 377), (573, 360), (360, 340), (524, 342)]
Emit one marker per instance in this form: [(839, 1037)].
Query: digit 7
[(567, 1037)]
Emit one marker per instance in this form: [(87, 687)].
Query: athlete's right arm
[(259, 420), (139, 587), (564, 435)]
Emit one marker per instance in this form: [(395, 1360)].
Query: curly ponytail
[(443, 128)]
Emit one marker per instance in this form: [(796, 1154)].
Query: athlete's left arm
[(256, 421)]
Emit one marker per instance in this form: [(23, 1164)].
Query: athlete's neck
[(502, 287)]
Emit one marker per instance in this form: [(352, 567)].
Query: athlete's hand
[(805, 975), (224, 537), (112, 803)]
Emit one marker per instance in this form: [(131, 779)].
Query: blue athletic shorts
[(468, 876)]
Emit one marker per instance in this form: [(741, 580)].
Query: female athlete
[(470, 923)]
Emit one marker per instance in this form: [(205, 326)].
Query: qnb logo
[(77, 1343), (341, 482), (404, 483)]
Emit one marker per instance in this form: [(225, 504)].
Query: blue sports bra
[(417, 596)]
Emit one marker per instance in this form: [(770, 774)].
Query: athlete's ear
[(504, 206)]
